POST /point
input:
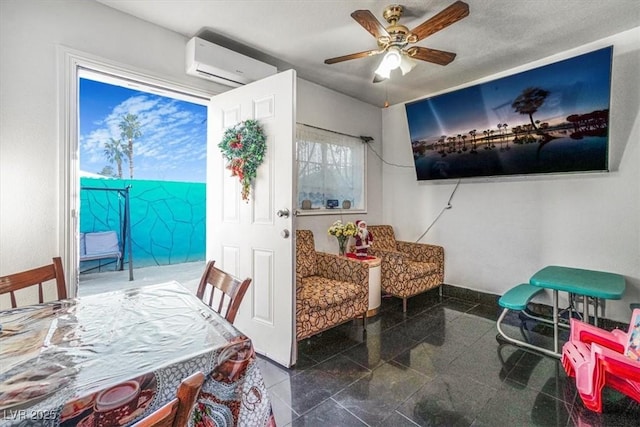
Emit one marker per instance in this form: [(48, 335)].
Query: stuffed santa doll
[(363, 239)]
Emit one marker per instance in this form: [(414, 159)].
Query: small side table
[(375, 276)]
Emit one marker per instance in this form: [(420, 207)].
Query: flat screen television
[(550, 119)]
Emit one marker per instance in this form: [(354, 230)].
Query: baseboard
[(492, 301)]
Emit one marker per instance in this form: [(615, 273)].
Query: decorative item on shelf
[(244, 146), (363, 239), (342, 232), (346, 204), (332, 203), (306, 204)]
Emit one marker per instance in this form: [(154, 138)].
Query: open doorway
[(147, 144)]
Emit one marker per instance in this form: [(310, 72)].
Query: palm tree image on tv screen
[(551, 119)]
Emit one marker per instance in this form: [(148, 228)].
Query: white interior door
[(250, 239)]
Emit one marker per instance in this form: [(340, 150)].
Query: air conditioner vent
[(213, 62)]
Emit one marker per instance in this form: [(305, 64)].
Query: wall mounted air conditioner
[(222, 65)]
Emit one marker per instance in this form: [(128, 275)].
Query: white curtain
[(330, 166)]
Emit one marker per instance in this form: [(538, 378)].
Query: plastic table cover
[(110, 359)]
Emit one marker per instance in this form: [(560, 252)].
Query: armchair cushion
[(320, 293), (421, 269)]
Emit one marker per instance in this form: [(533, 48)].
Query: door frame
[(70, 63)]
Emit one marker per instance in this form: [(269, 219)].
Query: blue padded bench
[(100, 245), (517, 299)]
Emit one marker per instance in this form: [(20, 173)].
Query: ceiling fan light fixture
[(382, 71), (394, 38), (406, 64), (392, 60)]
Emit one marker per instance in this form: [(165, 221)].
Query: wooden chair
[(37, 276), (224, 287), (176, 413)]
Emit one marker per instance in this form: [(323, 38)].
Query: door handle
[(283, 213)]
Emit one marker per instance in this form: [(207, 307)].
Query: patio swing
[(106, 244)]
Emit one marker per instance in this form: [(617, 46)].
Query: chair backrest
[(383, 237), (165, 416), (633, 344), (37, 276), (305, 254), (176, 412), (222, 289)]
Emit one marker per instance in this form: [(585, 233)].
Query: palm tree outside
[(115, 152), (130, 131)]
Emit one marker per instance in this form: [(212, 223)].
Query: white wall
[(30, 149), (502, 230), (498, 233), (30, 175), (327, 109)]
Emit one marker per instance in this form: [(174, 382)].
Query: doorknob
[(283, 213)]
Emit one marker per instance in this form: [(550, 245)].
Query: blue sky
[(173, 145), (577, 85)]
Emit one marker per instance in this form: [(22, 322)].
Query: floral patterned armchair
[(408, 268), (330, 289)]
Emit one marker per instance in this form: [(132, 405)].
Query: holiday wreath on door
[(244, 146)]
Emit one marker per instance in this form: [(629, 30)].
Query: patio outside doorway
[(152, 140)]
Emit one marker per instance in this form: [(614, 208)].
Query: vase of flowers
[(342, 232)]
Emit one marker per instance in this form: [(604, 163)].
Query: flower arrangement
[(342, 232), (244, 146)]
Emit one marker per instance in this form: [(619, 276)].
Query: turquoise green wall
[(167, 218)]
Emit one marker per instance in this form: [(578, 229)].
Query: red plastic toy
[(596, 357)]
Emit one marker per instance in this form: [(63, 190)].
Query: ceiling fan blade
[(370, 23), (431, 55), (448, 16), (353, 56)]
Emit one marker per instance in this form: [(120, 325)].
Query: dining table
[(111, 359)]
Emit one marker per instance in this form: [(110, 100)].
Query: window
[(331, 166)]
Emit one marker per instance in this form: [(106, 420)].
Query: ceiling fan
[(395, 39)]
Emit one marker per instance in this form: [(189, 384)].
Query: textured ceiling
[(496, 36)]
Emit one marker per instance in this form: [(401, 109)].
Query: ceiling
[(496, 36)]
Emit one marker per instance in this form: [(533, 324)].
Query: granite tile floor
[(438, 365)]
